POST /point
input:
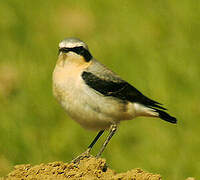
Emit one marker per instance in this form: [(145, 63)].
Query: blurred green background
[(155, 45)]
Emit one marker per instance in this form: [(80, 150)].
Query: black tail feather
[(157, 106), (165, 116)]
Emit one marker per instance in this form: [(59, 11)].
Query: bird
[(95, 96)]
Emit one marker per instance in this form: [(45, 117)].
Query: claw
[(82, 156)]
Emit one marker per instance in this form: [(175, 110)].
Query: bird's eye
[(65, 50)]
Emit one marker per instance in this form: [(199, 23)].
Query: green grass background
[(155, 45)]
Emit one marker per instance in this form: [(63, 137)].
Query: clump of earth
[(88, 168)]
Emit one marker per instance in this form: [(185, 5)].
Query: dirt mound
[(89, 168)]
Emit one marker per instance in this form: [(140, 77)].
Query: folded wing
[(124, 91)]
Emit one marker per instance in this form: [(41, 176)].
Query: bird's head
[(73, 48)]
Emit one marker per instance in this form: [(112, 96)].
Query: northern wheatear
[(96, 97)]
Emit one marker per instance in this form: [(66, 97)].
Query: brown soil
[(89, 168)]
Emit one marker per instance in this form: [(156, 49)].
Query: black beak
[(64, 50)]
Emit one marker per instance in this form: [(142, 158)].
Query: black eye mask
[(80, 50)]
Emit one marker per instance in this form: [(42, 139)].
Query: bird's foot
[(82, 156)]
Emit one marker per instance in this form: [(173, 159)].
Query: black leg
[(95, 139), (87, 152), (111, 133)]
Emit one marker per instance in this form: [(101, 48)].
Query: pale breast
[(89, 108)]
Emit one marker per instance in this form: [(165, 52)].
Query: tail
[(165, 116), (142, 110)]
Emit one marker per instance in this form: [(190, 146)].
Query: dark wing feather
[(121, 90)]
